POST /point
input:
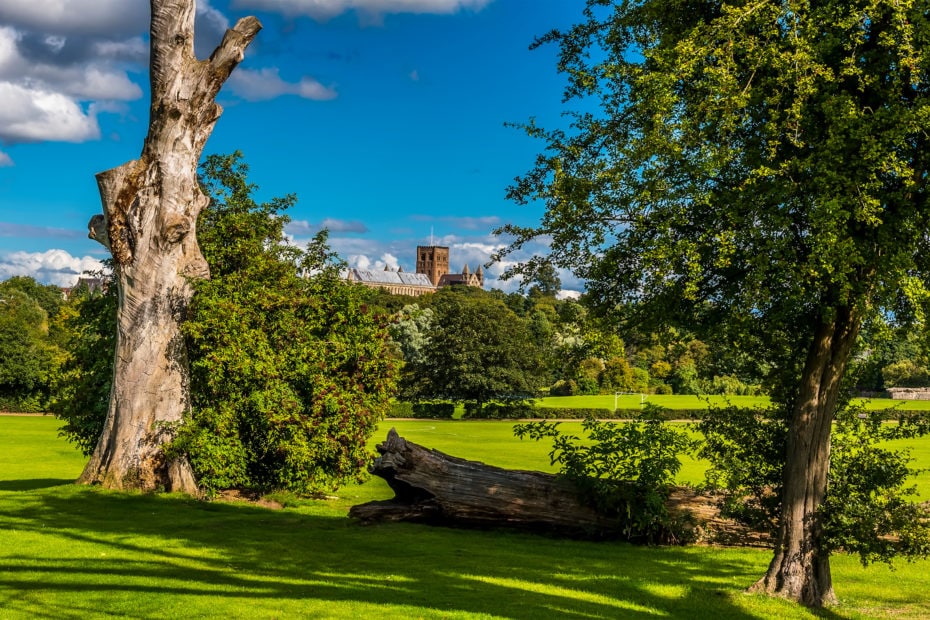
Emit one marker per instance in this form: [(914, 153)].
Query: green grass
[(78, 552), (686, 401)]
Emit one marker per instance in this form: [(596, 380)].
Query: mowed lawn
[(76, 552)]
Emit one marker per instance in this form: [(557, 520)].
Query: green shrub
[(623, 469), (564, 388), (22, 404), (866, 509), (400, 410), (499, 411)]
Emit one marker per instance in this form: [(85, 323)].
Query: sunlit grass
[(79, 552)]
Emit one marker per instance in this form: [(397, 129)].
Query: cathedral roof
[(389, 277)]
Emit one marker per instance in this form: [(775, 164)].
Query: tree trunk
[(435, 488), (800, 569), (150, 209)]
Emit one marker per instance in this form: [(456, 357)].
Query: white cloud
[(326, 9), (264, 84), (30, 115), (41, 93), (81, 17), (389, 260), (359, 261), (5, 160), (210, 17), (51, 267)]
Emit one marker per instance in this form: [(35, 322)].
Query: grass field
[(78, 552), (685, 401)]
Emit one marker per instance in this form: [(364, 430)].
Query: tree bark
[(439, 489), (150, 209), (800, 568)]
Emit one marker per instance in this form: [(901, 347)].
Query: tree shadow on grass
[(33, 484), (124, 554)]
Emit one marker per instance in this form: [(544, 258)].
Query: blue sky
[(385, 118)]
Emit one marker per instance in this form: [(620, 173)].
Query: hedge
[(496, 411), (430, 411)]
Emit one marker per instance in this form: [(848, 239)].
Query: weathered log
[(436, 488)]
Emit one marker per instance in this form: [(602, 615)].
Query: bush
[(564, 388), (21, 404), (400, 410), (499, 411), (624, 469), (866, 510)]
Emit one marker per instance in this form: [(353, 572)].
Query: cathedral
[(432, 272)]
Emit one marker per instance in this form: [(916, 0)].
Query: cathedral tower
[(433, 260)]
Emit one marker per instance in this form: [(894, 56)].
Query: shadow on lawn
[(281, 560), (33, 484)]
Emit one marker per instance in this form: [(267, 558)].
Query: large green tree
[(289, 370), (759, 166), (477, 351)]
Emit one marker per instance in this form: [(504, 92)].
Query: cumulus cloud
[(364, 262), (51, 267), (322, 10), (50, 81), (5, 160), (62, 62), (264, 84), (104, 18), (35, 115)]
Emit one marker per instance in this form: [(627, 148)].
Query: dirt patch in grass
[(250, 497)]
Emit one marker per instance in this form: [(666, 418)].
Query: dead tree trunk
[(800, 569), (435, 488), (150, 209)]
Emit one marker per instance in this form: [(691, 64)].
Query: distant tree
[(478, 351), (410, 331), (761, 167), (48, 296), (27, 358), (82, 394), (546, 282)]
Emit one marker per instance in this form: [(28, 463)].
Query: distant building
[(466, 278), (432, 273), (433, 260), (93, 285), (394, 282)]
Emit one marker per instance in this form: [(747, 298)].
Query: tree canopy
[(757, 167), (477, 350)]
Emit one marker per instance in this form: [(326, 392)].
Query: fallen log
[(439, 489)]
